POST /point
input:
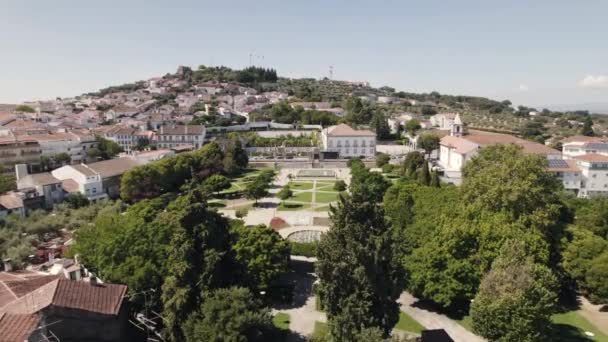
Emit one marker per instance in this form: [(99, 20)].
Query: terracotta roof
[(581, 138), (344, 130), (484, 139), (460, 145), (69, 186), (10, 200), (84, 169), (42, 178), (182, 130), (101, 298), (113, 167), (71, 294), (17, 328), (593, 157)]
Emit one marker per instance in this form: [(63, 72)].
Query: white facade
[(89, 182), (349, 142), (443, 120)]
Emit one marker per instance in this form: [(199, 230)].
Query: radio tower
[(331, 73)]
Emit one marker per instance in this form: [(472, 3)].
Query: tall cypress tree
[(359, 270), (424, 178)]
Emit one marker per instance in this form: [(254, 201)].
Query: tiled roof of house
[(45, 178), (593, 157), (344, 130), (460, 145), (17, 328), (582, 139), (112, 167), (10, 200), (182, 130), (484, 139), (79, 295)]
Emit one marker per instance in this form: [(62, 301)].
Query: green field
[(407, 323), (321, 331), (570, 326), (300, 185), (326, 197), (305, 196), (281, 321)]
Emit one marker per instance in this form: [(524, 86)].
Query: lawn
[(290, 206), (281, 321), (570, 326), (407, 323), (322, 208), (305, 196), (326, 197), (325, 186), (321, 330), (300, 185)]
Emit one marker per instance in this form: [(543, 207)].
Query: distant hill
[(597, 107)]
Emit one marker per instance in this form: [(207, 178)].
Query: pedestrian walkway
[(433, 320)]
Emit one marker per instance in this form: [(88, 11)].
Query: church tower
[(457, 127)]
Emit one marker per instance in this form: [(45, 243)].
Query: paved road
[(433, 320)]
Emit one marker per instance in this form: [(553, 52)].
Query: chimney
[(8, 265), (20, 171), (92, 279), (52, 256)]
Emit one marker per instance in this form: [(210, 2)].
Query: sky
[(537, 53)]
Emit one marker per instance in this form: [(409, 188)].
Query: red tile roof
[(593, 157), (17, 328), (344, 130)]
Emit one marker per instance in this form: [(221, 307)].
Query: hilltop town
[(180, 207)]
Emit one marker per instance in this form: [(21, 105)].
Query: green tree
[(231, 314), (62, 158), (285, 193), (593, 216), (516, 298), (424, 177), (596, 279), (256, 189), (359, 272), (412, 126), (197, 261), (340, 185), (25, 109), (263, 255), (216, 183), (587, 128), (7, 182), (380, 124), (107, 149), (382, 159), (428, 142), (435, 182), (77, 200), (413, 161)]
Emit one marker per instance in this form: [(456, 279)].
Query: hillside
[(260, 91)]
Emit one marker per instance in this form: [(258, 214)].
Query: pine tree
[(588, 127), (359, 270)]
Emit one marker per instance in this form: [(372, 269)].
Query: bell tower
[(457, 127)]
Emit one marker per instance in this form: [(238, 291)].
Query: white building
[(170, 137), (443, 120), (349, 142), (580, 145), (96, 181), (458, 148)]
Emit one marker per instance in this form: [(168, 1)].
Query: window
[(363, 143)]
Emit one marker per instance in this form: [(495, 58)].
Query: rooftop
[(344, 130), (593, 157), (460, 145), (17, 328)]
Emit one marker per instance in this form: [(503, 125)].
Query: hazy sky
[(533, 52)]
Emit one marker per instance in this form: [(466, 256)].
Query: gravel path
[(592, 313), (433, 320)]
